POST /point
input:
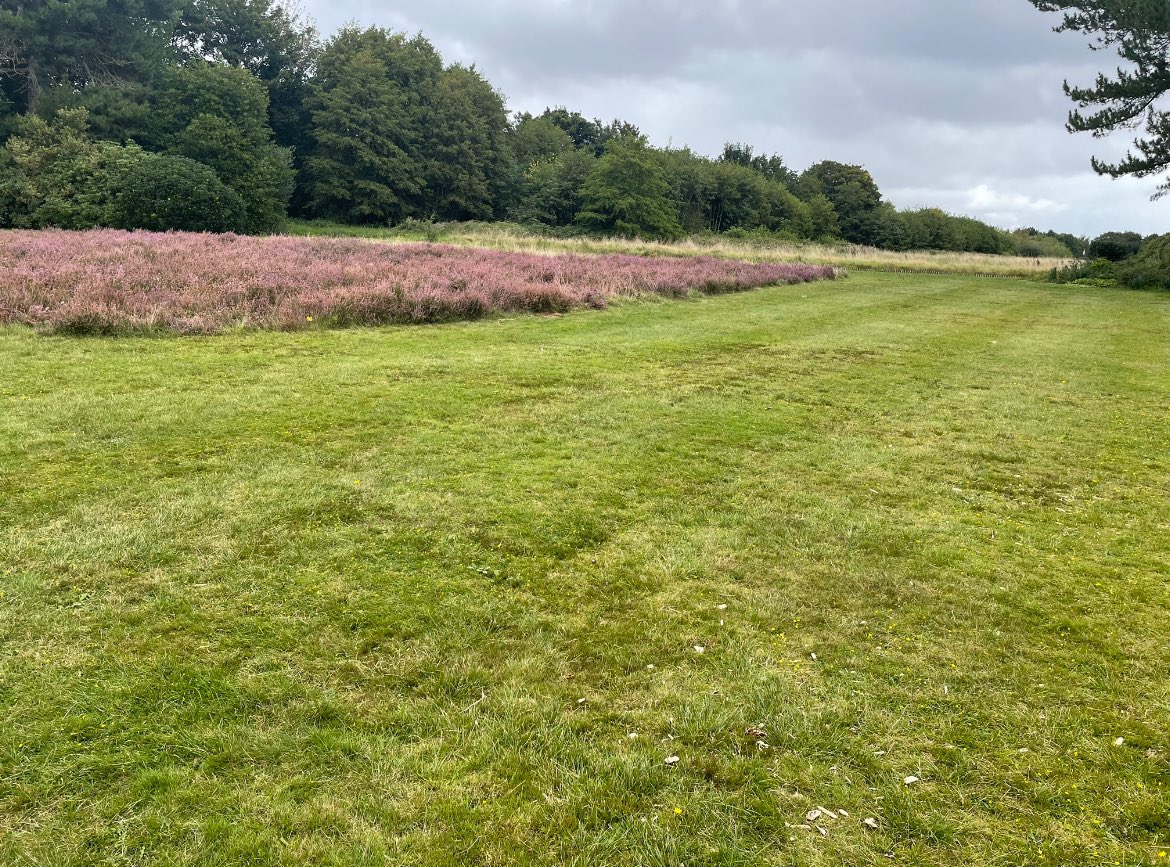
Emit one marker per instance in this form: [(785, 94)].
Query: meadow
[(529, 239), (864, 571), (111, 282)]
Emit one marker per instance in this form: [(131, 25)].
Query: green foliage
[(537, 139), (270, 40), (55, 175), (592, 135), (8, 114), (78, 43), (627, 194), (467, 147), (933, 229), (118, 111), (370, 109), (1150, 268), (1037, 244), (218, 115), (168, 192), (823, 217), (854, 196), (692, 186), (550, 192), (1116, 246), (771, 167), (266, 37), (1139, 30)]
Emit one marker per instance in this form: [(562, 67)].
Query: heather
[(107, 281)]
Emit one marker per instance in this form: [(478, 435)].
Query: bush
[(1099, 272), (167, 192), (1149, 269), (53, 174)]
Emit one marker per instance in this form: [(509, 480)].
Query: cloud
[(952, 99)]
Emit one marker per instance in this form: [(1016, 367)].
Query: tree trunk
[(33, 85)]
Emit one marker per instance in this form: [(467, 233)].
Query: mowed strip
[(435, 595)]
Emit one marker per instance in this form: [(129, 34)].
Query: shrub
[(167, 192), (1099, 272), (1149, 269), (53, 174)]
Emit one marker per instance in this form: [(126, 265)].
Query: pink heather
[(107, 281)]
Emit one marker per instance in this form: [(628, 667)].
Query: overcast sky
[(949, 103)]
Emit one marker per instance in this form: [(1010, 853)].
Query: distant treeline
[(223, 115)]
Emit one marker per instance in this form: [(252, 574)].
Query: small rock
[(910, 781), (1120, 742), (632, 736), (672, 760), (844, 813), (700, 649), (870, 823)]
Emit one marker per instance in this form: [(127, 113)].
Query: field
[(515, 238), (113, 282), (880, 561)]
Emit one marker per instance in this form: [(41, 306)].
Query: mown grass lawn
[(435, 595)]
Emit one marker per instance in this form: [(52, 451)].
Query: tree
[(172, 193), (371, 109), (550, 191), (854, 196), (1116, 246), (824, 217), (467, 149), (1140, 32), (692, 186), (537, 139), (218, 116), (772, 168), (56, 175), (627, 194), (584, 133), (268, 38), (739, 198), (49, 43)]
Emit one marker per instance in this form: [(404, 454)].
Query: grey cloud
[(955, 103)]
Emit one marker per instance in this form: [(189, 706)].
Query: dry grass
[(510, 237)]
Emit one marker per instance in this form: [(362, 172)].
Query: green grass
[(400, 596), (529, 239)]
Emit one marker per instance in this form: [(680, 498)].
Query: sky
[(948, 103)]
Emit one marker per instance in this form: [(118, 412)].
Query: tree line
[(219, 115)]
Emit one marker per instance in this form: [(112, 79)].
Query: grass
[(404, 595), (516, 238)]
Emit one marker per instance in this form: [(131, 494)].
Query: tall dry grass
[(514, 238)]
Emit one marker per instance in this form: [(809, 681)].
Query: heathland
[(862, 571)]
